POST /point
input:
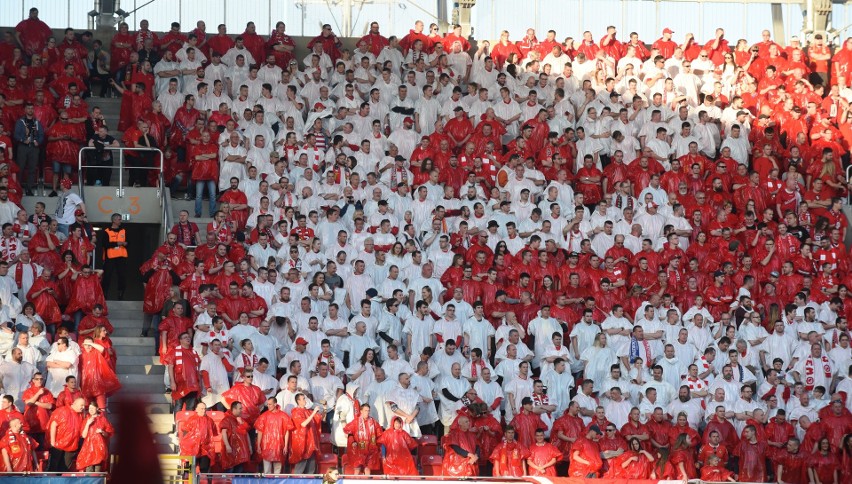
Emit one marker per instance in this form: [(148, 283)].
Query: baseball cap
[(319, 106), (408, 119), (79, 212), (301, 341), (668, 31)]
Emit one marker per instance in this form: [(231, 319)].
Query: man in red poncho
[(32, 34), (62, 146), (526, 423), (236, 446), (70, 392), (567, 429), (509, 457), (838, 422), (248, 394), (306, 436), (90, 322), (752, 454), (330, 43), (238, 201), (364, 452), (18, 449), (171, 328), (459, 129), (65, 428), (183, 365), (543, 457), (273, 436), (8, 411), (159, 277), (38, 402), (586, 459), (460, 450), (85, 294), (196, 437), (407, 42), (374, 40), (398, 446), (43, 295)]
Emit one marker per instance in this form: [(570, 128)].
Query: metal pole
[(121, 173)]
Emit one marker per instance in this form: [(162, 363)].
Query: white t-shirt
[(66, 207)]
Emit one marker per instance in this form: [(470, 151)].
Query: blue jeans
[(199, 194), (63, 229)]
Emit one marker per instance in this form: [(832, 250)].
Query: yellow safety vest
[(115, 252)]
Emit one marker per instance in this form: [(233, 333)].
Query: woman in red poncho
[(636, 463), (64, 275), (683, 457), (86, 292), (306, 437), (44, 248), (98, 380), (398, 446), (42, 295), (95, 449), (824, 465), (363, 433), (79, 245), (273, 436), (18, 449), (100, 335), (236, 447), (196, 437), (460, 451)]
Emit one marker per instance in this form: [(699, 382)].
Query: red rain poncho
[(20, 448), (49, 259), (454, 464), (398, 446), (63, 151), (69, 428), (363, 450), (96, 375), (274, 424), (35, 417), (638, 469), (157, 287), (186, 364), (95, 448), (752, 461), (589, 451), (174, 326), (304, 441), (45, 303), (237, 438), (541, 455), (85, 293), (196, 436), (250, 396), (508, 459), (572, 427)]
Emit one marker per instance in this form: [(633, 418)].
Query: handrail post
[(121, 173)]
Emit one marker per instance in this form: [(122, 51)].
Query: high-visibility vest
[(116, 236)]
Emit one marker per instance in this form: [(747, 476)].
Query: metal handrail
[(120, 167)]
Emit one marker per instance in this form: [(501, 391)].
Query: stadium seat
[(430, 465), (181, 416), (326, 461), (427, 445), (326, 444)]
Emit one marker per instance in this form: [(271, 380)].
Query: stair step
[(156, 396), (129, 332), (134, 380), (134, 323), (131, 341), (150, 408), (150, 387), (135, 350), (125, 314), (140, 360), (129, 305), (141, 369)]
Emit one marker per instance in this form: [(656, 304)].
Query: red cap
[(79, 212), (668, 31), (301, 341), (408, 119), (319, 106), (66, 183)]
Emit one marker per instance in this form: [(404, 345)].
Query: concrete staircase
[(140, 371)]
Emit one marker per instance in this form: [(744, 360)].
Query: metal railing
[(121, 167)]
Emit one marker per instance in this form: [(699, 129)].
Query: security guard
[(115, 255)]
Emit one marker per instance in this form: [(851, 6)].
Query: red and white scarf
[(19, 272), (810, 371), (9, 247)]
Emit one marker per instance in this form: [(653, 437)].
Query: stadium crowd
[(585, 258)]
